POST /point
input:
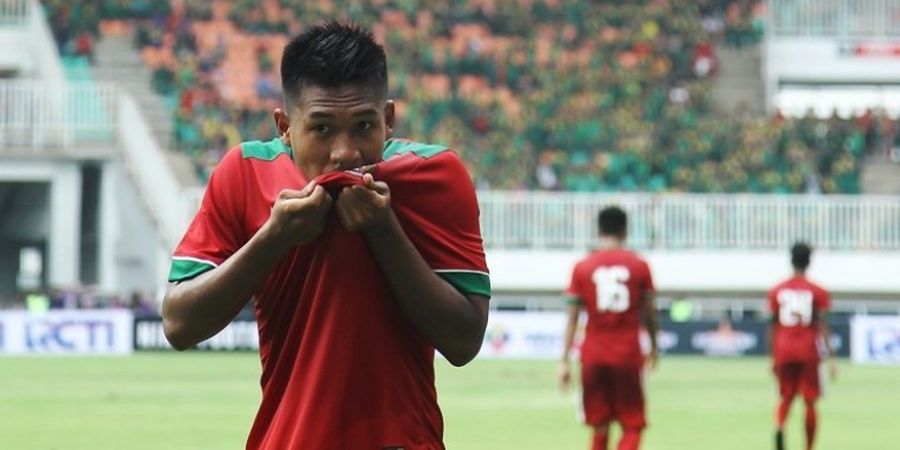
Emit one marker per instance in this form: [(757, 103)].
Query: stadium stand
[(622, 100), (585, 97)]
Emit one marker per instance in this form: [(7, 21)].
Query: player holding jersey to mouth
[(356, 277), (799, 324)]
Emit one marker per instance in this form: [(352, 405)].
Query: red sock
[(781, 412), (601, 438), (631, 439), (810, 424)]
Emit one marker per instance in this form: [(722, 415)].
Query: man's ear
[(389, 117), (283, 125)]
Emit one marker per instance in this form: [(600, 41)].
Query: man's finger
[(346, 196), (378, 186), (364, 194), (316, 199), (381, 187), (368, 181), (326, 201), (309, 188), (286, 194)]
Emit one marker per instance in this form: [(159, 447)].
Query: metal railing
[(554, 220), (34, 117), (170, 205), (836, 18), (14, 12)]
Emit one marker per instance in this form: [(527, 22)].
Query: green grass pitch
[(207, 401)]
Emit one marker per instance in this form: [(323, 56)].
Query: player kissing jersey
[(794, 304), (611, 285), (342, 367)]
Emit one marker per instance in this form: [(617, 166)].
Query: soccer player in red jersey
[(362, 255), (614, 285), (799, 325)]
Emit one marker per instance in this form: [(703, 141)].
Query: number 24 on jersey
[(795, 307)]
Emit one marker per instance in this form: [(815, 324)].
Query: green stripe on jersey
[(266, 151), (185, 269), (468, 282), (394, 147)]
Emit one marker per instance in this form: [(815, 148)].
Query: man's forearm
[(826, 338), (452, 322), (569, 337), (197, 309), (652, 325), (651, 321)]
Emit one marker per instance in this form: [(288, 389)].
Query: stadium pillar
[(65, 224), (108, 227)]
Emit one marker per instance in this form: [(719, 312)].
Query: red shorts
[(798, 377), (613, 393)]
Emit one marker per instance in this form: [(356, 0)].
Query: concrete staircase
[(738, 87), (120, 63), (880, 176)]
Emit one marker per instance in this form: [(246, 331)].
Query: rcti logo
[(497, 337), (70, 335)]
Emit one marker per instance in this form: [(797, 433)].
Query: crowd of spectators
[(78, 297), (534, 94)]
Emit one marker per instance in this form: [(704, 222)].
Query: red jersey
[(794, 304), (341, 365), (611, 285)]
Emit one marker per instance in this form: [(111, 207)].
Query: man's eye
[(364, 126), (321, 128)]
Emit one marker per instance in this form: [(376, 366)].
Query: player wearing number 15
[(615, 287), (799, 325)]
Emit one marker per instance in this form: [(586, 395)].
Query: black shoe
[(779, 440)]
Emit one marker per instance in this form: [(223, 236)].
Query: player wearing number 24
[(615, 287), (799, 327)]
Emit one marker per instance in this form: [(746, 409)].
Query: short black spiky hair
[(332, 54), (801, 252), (612, 221)]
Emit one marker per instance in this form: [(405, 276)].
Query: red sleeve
[(435, 201), (823, 300), (217, 230), (648, 277), (773, 301), (576, 290)]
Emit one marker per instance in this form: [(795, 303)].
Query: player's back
[(794, 304), (612, 285)]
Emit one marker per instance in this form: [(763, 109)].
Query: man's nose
[(345, 155)]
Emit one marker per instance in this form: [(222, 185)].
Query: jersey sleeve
[(576, 293), (217, 231), (435, 200), (649, 287), (823, 300), (772, 301)]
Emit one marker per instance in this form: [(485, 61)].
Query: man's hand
[(564, 375), (832, 369), (298, 217), (366, 207), (651, 360)]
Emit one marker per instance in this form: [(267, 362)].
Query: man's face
[(332, 129)]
